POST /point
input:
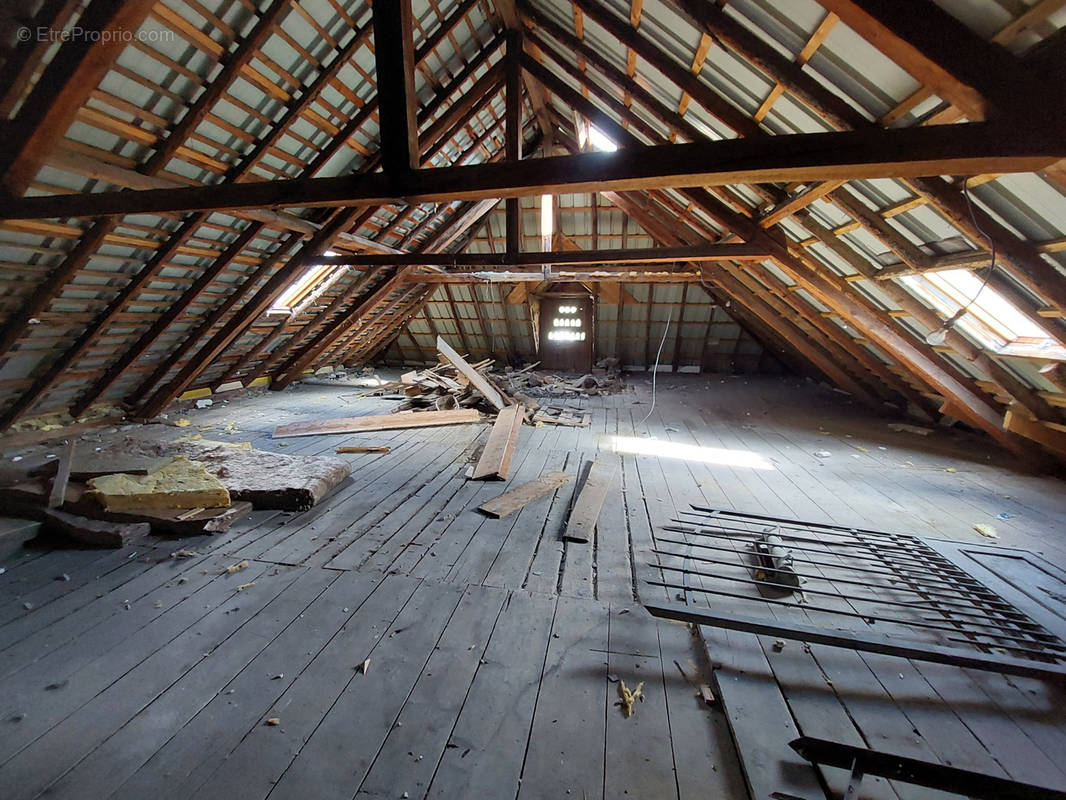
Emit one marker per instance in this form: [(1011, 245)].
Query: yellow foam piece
[(180, 483)]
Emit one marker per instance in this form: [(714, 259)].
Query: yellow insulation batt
[(180, 483)]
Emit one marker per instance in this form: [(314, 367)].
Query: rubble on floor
[(125, 486), (456, 383)]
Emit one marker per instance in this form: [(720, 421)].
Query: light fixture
[(940, 335)]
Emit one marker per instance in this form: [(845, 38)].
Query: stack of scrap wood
[(457, 383), (128, 486), (266, 480), (110, 501)]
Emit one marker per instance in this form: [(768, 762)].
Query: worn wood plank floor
[(494, 647)]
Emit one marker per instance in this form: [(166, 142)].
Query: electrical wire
[(992, 248), (937, 336), (655, 369)]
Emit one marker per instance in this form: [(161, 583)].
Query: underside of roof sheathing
[(857, 190)]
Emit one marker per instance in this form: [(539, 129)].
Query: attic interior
[(533, 399)]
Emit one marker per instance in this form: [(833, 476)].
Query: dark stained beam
[(513, 131), (512, 21), (63, 88), (564, 275), (978, 77), (394, 51), (969, 148), (710, 251)]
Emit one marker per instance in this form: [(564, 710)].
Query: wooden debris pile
[(131, 486), (456, 383)]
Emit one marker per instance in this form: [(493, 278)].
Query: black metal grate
[(892, 591)]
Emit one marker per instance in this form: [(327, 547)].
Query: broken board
[(510, 502), (586, 511), (94, 465), (380, 422), (495, 461), (97, 533), (477, 380), (27, 501), (62, 478)]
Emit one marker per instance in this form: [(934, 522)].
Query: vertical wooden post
[(394, 50), (513, 131)]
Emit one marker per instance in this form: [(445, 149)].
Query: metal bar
[(853, 542), (783, 521), (864, 642), (920, 773), (855, 614), (822, 551), (834, 565), (959, 601)]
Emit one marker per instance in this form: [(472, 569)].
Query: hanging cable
[(938, 336), (655, 370)]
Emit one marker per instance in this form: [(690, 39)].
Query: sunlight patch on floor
[(687, 452)]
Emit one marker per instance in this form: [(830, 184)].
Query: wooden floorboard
[(494, 646)]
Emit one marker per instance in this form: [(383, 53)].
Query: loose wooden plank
[(93, 465), (95, 532), (62, 478), (495, 461), (510, 502), (476, 378), (28, 500), (586, 510), (382, 422)]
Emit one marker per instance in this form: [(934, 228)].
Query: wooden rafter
[(64, 87), (847, 155), (979, 78)]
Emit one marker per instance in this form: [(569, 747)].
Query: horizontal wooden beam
[(617, 275), (647, 255), (864, 154)]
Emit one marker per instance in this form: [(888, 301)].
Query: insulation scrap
[(629, 697), (244, 586), (986, 530), (903, 427), (236, 567), (181, 483)]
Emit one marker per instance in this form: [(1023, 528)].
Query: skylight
[(991, 318), (599, 141), (589, 137), (314, 280)]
